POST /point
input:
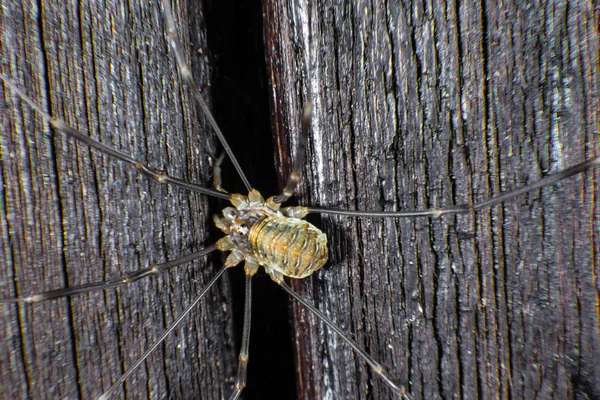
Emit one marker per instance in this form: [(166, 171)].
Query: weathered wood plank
[(464, 102), (432, 104), (71, 216)]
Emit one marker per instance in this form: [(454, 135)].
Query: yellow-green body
[(261, 233)]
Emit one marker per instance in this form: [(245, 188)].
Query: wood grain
[(416, 105), (72, 216), (431, 104)]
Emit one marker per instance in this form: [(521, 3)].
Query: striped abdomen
[(291, 246)]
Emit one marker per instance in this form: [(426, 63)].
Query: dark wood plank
[(499, 303), (70, 215), (432, 104)]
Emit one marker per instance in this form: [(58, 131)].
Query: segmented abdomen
[(291, 246)]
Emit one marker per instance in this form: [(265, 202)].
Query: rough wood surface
[(70, 215), (432, 104), (415, 105)]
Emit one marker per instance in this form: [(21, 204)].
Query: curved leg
[(186, 74), (111, 283), (468, 208), (296, 173), (242, 372), (150, 349), (375, 366), (61, 126)]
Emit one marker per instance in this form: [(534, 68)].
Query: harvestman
[(257, 231)]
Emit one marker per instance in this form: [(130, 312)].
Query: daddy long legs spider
[(349, 375)]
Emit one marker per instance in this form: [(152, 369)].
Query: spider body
[(262, 233)]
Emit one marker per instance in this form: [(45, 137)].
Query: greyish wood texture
[(70, 215), (431, 104), (415, 105)]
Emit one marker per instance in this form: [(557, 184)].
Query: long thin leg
[(467, 208), (296, 173), (186, 74), (61, 126), (153, 347), (126, 279), (242, 372), (375, 366)]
